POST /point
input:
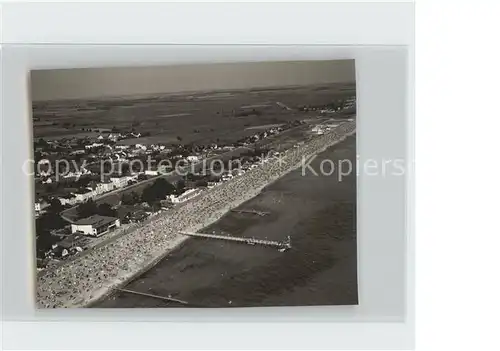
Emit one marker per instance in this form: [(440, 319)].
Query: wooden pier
[(250, 241), (164, 298)]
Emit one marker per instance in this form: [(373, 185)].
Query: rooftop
[(188, 192), (96, 220), (117, 176)]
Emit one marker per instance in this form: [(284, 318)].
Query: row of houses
[(85, 194), (89, 192), (97, 189)]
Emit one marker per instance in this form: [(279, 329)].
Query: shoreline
[(182, 238), (125, 274)]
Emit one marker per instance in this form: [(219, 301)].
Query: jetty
[(282, 105), (255, 212), (283, 245), (164, 298)]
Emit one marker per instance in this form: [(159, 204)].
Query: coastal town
[(91, 189), (121, 182), (78, 189)]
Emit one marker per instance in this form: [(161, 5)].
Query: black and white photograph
[(196, 185)]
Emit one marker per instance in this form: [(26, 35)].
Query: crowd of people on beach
[(87, 278)]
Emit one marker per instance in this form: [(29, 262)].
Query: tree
[(156, 206), (130, 198), (83, 181), (201, 182), (181, 185), (42, 143), (135, 197), (124, 168), (106, 210), (55, 205), (49, 221), (87, 209), (148, 195), (157, 191), (44, 242), (126, 199)]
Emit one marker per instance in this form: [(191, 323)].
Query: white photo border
[(378, 36)]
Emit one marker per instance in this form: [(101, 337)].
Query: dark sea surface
[(317, 212)]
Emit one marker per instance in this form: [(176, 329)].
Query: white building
[(76, 175), (133, 177), (101, 188), (93, 145), (318, 130), (106, 186), (119, 182), (187, 195), (69, 199), (227, 176), (95, 225), (119, 156), (40, 206), (155, 172), (211, 185), (47, 181), (193, 158), (84, 195)]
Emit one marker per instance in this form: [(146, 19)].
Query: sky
[(84, 83)]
